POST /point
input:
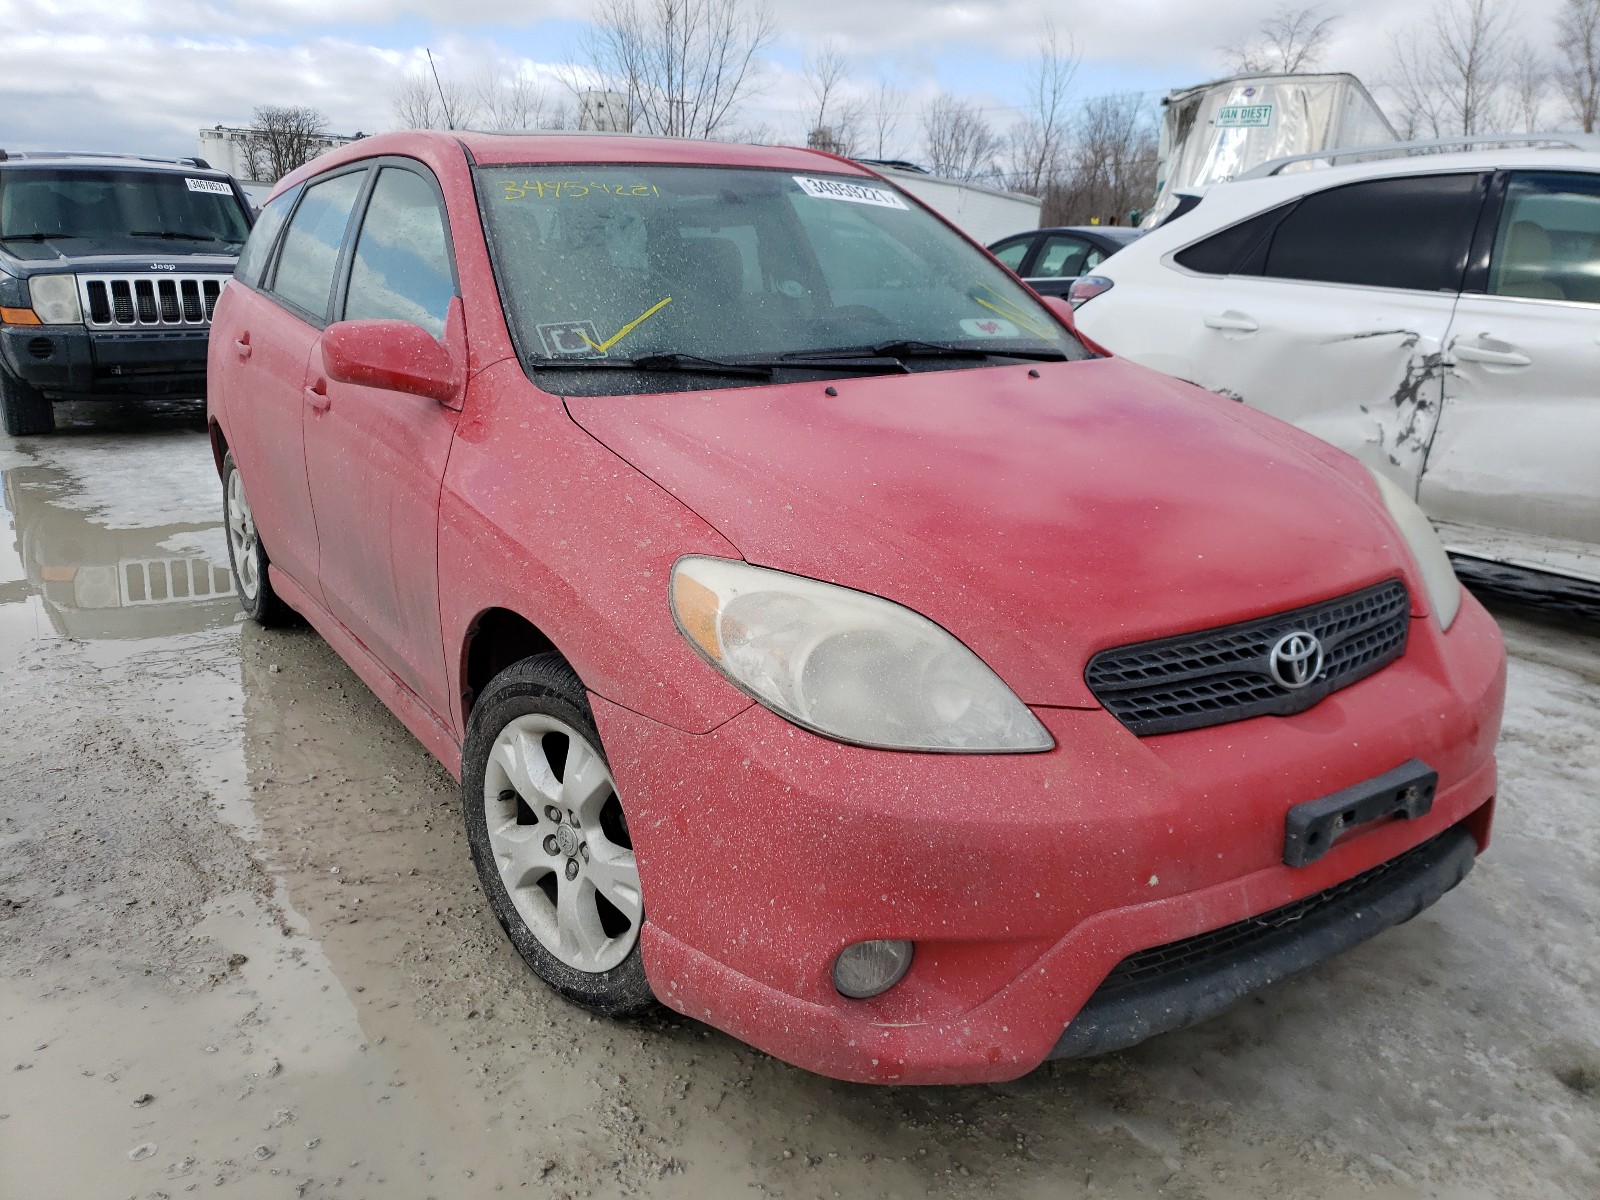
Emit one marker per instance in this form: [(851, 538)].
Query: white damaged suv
[(1435, 313)]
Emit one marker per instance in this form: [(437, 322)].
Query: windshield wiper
[(660, 362), (172, 235), (36, 237), (753, 368), (912, 348)]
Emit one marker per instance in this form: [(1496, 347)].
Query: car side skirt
[(424, 724)]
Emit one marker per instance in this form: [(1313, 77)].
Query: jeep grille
[(149, 301)]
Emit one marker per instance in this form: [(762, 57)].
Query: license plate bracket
[(1311, 828)]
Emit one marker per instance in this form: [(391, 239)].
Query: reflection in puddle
[(96, 582)]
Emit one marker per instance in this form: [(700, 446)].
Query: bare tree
[(1578, 74), (885, 110), (427, 100), (1528, 81), (1039, 141), (1452, 70), (1290, 40), (1112, 168), (960, 143), (282, 138), (683, 65), (836, 115), (516, 100)]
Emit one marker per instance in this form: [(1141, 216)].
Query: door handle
[(1232, 322), (242, 345), (317, 396), (1499, 358)]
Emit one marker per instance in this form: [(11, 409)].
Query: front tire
[(25, 409), (549, 838), (246, 555)]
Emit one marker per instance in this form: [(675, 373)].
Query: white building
[(604, 112), (228, 149)]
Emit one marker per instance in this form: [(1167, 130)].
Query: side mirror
[(395, 355), (1064, 310)]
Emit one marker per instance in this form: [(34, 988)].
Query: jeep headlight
[(1438, 576), (845, 664), (54, 299)]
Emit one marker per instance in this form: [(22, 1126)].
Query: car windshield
[(114, 205), (689, 268)]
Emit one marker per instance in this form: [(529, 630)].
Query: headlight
[(847, 665), (55, 299), (1444, 589)]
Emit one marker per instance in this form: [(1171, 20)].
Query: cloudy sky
[(145, 75)]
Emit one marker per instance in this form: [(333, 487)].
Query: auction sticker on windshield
[(855, 193), (989, 327), (215, 186)]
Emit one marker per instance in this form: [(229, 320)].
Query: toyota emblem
[(1296, 660)]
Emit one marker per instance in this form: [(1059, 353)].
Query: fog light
[(869, 968)]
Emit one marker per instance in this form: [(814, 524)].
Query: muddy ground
[(243, 952)]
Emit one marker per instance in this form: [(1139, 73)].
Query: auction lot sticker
[(989, 327), (855, 193), (215, 186), (570, 339)]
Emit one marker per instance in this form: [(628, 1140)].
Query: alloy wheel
[(242, 537), (560, 841)]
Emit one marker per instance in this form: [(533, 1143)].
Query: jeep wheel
[(25, 408)]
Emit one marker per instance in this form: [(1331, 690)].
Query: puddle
[(93, 576)]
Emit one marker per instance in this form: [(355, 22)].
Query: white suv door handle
[(1499, 358), (1232, 322)]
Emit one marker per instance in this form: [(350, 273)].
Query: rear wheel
[(246, 554), (549, 837), (25, 409)]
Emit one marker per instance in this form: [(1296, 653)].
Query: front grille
[(1221, 675), (1181, 960), (149, 301)]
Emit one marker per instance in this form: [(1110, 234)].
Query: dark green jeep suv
[(110, 266)]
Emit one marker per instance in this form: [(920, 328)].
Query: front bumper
[(71, 362), (1023, 880)]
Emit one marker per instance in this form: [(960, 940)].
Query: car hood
[(1039, 519), (122, 255)]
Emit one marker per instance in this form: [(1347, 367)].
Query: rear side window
[(253, 258), (401, 268), (1237, 250), (1411, 233), (310, 255), (1548, 244), (1061, 256), (1013, 253)]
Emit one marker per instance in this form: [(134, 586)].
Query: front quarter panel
[(539, 518)]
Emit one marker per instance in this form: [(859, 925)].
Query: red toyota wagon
[(830, 645)]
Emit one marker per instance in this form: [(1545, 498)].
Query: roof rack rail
[(191, 161), (1569, 141)]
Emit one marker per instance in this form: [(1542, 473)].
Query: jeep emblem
[(163, 266)]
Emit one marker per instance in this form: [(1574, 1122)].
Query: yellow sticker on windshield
[(602, 347), (1012, 311)]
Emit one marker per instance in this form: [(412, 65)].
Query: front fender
[(538, 517)]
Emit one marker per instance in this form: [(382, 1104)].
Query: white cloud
[(145, 75)]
